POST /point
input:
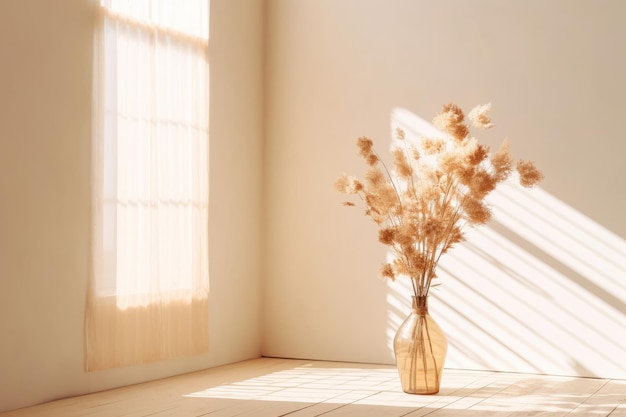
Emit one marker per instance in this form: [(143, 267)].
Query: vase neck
[(420, 304)]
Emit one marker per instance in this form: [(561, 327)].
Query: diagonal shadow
[(541, 289)]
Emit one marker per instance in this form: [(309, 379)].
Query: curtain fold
[(148, 287)]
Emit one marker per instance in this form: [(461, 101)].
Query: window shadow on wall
[(541, 289)]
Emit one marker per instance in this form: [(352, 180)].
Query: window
[(149, 282)]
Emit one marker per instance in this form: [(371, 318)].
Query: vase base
[(420, 392)]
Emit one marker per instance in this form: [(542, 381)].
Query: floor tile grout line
[(350, 403), (460, 398), (482, 400), (605, 383)]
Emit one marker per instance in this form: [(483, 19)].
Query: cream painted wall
[(45, 95), (543, 288)]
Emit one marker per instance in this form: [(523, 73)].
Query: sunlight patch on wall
[(540, 289)]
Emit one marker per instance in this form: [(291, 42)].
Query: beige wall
[(543, 289), (45, 95)]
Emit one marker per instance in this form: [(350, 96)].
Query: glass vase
[(420, 348)]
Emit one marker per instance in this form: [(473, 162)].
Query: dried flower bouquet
[(438, 188)]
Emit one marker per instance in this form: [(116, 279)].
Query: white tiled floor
[(299, 388)]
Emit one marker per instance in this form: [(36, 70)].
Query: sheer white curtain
[(148, 289)]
